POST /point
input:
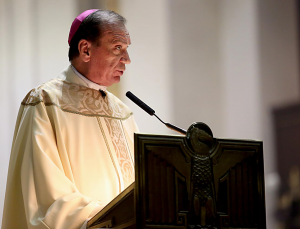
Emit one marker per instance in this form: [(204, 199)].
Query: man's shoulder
[(42, 92), (49, 91)]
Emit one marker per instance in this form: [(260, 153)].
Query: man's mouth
[(121, 72)]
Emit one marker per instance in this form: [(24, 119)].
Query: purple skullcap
[(77, 21)]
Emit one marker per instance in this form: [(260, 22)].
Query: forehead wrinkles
[(124, 38), (117, 34)]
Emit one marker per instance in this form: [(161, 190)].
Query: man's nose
[(125, 58)]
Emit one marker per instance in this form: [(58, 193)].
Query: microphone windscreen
[(140, 103)]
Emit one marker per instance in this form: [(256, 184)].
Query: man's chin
[(115, 80)]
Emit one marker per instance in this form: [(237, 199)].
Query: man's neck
[(87, 81)]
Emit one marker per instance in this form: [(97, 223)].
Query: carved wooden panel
[(177, 187), (239, 183), (163, 178)]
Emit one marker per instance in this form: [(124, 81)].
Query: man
[(72, 150)]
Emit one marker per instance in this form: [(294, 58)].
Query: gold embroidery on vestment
[(122, 153), (110, 153)]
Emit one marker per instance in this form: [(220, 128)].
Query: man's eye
[(118, 47)]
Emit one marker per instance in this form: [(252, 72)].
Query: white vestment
[(72, 153)]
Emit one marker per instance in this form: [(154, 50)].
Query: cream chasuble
[(72, 153)]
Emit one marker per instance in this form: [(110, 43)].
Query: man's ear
[(84, 50)]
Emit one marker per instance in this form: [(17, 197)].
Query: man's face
[(107, 63)]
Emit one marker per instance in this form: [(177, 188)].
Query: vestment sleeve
[(51, 199)]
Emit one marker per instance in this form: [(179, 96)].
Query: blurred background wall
[(227, 63)]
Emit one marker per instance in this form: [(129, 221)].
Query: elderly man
[(72, 150)]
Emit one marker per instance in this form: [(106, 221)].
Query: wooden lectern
[(192, 181)]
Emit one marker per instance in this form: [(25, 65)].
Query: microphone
[(151, 112)]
